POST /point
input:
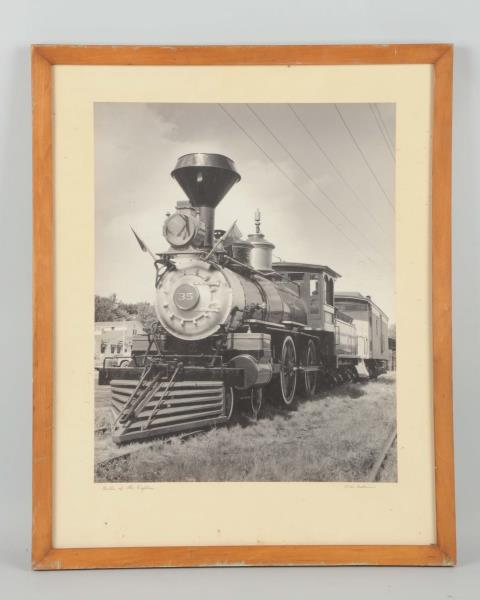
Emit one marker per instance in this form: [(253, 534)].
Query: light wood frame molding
[(44, 555)]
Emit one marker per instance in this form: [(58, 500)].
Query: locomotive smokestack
[(205, 179)]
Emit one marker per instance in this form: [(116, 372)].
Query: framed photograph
[(242, 306)]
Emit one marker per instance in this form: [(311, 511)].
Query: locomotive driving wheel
[(287, 383), (229, 403), (309, 379)]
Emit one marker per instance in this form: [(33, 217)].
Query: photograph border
[(44, 555)]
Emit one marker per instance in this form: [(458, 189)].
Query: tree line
[(111, 308)]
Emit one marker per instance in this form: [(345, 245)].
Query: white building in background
[(113, 341)]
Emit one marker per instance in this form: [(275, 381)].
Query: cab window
[(315, 300), (328, 290)]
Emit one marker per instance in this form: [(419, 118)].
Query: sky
[(322, 175)]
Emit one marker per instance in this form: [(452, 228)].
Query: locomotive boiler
[(230, 323)]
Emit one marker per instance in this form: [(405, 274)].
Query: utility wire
[(301, 167), (384, 126), (363, 156), (335, 168), (285, 174), (379, 113), (387, 141)]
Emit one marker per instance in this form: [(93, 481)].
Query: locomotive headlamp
[(180, 229)]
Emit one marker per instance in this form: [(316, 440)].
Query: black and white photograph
[(244, 325)]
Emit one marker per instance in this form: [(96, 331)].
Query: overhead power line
[(385, 128), (369, 166), (295, 185), (337, 170), (310, 178), (382, 131)]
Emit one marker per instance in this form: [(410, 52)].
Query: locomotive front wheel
[(256, 401), (288, 372), (309, 379)]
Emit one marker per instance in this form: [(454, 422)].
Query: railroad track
[(112, 454), (121, 455), (378, 464)]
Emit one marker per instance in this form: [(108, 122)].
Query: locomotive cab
[(316, 283)]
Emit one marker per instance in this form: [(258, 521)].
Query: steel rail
[(378, 464)]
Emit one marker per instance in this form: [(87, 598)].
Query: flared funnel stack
[(205, 179)]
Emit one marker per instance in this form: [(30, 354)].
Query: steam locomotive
[(232, 325)]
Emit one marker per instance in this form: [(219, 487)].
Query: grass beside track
[(334, 437)]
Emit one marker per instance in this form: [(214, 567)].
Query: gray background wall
[(220, 22)]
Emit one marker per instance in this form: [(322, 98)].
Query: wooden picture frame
[(44, 555)]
